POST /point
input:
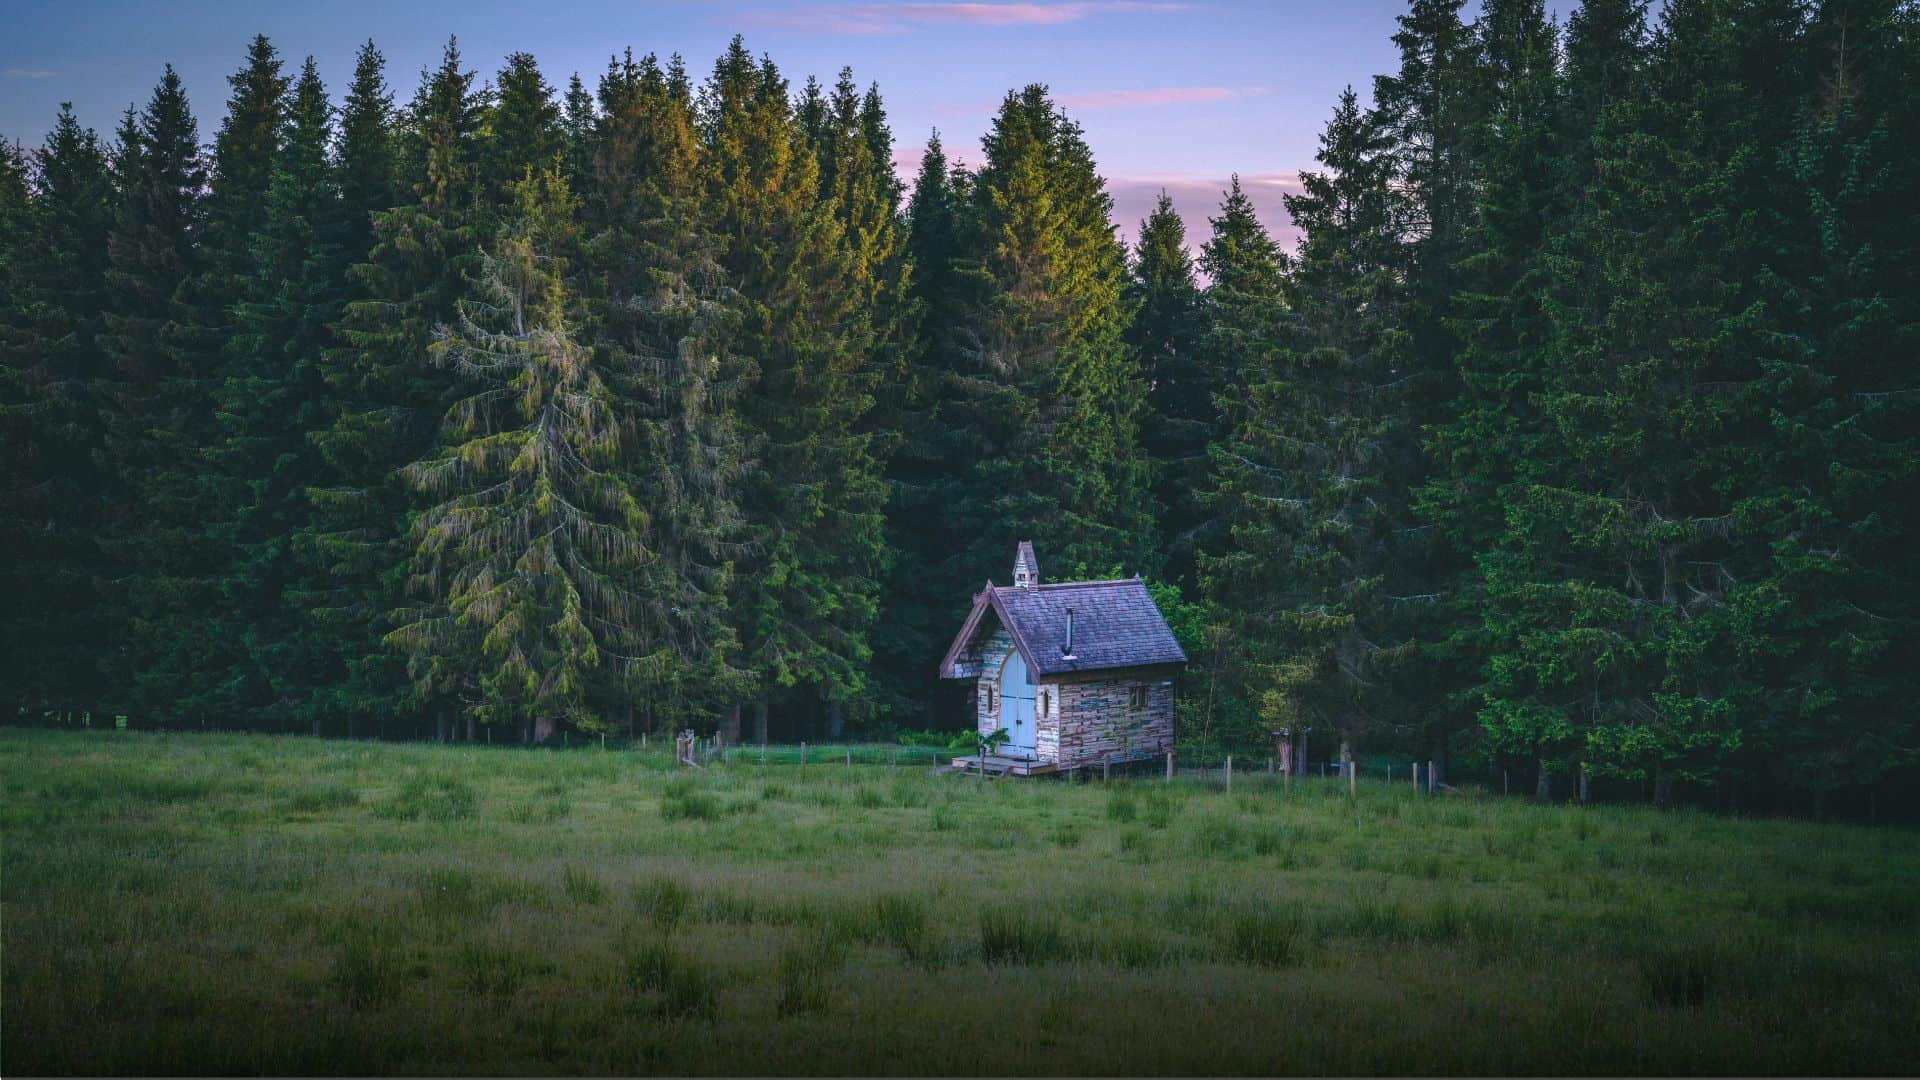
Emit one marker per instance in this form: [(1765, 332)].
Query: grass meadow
[(231, 904)]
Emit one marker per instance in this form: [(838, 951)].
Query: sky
[(1174, 95)]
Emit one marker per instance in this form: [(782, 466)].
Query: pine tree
[(152, 410), (1492, 421), (1824, 643), (534, 551), (664, 320), (808, 291), (577, 126), (272, 397), (53, 243), (1312, 480), (367, 151), (1180, 418), (389, 402), (922, 478), (1047, 397), (525, 131)]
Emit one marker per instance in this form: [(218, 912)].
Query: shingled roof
[(1115, 625)]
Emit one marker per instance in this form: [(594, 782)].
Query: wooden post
[(1169, 764), (1106, 769), (1416, 778), (1431, 788), (803, 759), (1353, 777), (849, 757), (643, 740), (1229, 774)]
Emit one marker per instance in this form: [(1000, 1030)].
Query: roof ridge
[(1055, 585)]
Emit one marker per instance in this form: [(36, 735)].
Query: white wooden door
[(1016, 705)]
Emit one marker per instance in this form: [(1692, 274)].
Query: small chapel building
[(1077, 673)]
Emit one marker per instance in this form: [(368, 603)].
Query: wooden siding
[(993, 651), (1096, 722)]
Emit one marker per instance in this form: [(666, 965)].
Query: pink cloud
[(1197, 198), (1152, 97), (887, 18), (1139, 98)]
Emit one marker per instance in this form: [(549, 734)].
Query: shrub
[(1120, 806)]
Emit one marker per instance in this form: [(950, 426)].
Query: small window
[(1137, 697), (1046, 702), (989, 699)]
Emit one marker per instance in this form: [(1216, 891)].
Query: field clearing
[(231, 904)]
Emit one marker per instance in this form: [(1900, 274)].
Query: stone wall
[(1096, 722)]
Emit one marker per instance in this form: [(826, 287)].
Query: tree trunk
[(543, 729), (319, 727), (1583, 785), (760, 721), (440, 724), (1543, 789), (1300, 752), (730, 727), (469, 727), (836, 723), (1662, 787), (1439, 759)]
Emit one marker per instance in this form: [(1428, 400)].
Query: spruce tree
[(1312, 479), (272, 397), (533, 552), (389, 402), (809, 286), (53, 263), (917, 604), (664, 323), (1046, 397), (153, 410), (1179, 420)]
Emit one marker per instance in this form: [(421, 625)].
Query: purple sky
[(1177, 95)]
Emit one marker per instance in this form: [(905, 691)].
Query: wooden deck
[(1006, 766)]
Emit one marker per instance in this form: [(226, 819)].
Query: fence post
[(1229, 774), (1432, 789), (1416, 777), (849, 757), (1169, 764), (1353, 776), (803, 759)]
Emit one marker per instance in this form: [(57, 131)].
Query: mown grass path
[(215, 904)]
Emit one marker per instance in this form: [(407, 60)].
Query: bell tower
[(1026, 569)]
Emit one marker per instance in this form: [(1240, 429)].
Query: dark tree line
[(1578, 433)]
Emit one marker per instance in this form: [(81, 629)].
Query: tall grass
[(248, 905)]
